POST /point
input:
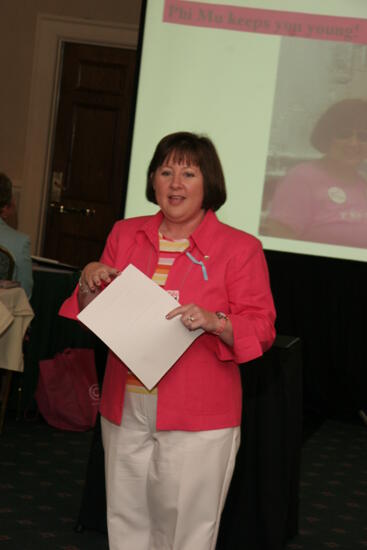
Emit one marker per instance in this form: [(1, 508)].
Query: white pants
[(165, 489)]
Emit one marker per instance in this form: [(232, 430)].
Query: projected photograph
[(315, 185)]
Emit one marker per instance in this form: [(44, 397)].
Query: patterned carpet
[(334, 489), (42, 474)]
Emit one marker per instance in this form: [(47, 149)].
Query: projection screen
[(260, 78)]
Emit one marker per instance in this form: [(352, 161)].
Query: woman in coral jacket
[(170, 452)]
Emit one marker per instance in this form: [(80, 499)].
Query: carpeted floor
[(42, 473), (334, 488)]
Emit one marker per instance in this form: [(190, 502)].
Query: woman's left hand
[(194, 317)]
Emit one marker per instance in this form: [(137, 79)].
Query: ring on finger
[(191, 318)]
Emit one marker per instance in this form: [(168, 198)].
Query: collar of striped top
[(202, 237)]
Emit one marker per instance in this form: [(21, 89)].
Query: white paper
[(130, 317)]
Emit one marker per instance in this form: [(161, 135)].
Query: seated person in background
[(13, 240)]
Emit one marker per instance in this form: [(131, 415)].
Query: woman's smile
[(176, 199)]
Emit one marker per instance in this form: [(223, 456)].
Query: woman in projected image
[(170, 452), (325, 200)]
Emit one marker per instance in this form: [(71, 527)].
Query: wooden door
[(87, 188)]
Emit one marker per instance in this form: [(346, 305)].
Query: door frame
[(51, 32)]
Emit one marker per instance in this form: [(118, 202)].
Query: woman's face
[(349, 148), (179, 191)]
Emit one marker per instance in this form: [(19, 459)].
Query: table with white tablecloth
[(15, 316)]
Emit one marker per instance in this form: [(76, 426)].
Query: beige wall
[(18, 31)]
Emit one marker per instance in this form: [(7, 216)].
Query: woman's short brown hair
[(348, 113), (193, 149)]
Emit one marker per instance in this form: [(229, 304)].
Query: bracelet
[(222, 322), (83, 289)]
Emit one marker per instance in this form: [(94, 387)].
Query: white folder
[(130, 317)]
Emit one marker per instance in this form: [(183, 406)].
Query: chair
[(7, 264)]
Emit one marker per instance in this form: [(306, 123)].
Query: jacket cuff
[(70, 308)]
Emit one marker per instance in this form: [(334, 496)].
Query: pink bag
[(67, 393)]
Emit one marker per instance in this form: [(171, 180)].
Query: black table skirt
[(261, 511), (49, 333)]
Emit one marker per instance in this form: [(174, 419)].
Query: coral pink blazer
[(202, 390)]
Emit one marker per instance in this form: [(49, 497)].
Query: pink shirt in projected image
[(320, 208)]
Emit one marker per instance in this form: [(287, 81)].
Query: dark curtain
[(324, 302)]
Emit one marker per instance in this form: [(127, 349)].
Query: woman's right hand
[(91, 279), (96, 273)]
